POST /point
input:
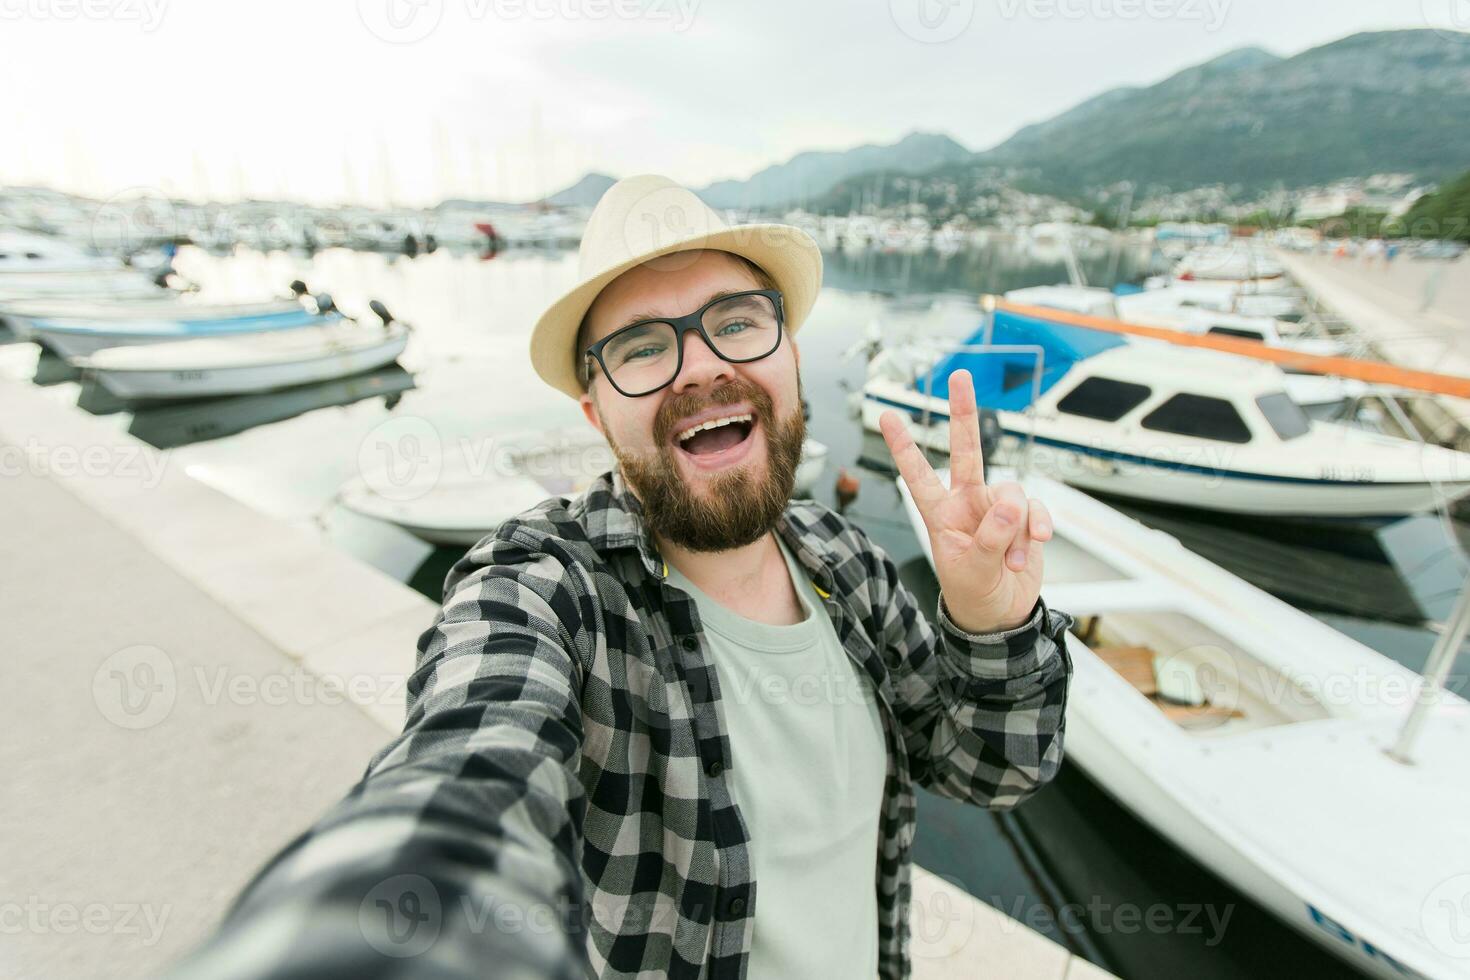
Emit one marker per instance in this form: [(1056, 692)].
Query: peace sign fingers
[(966, 455), (927, 489)]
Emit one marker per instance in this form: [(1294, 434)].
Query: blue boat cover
[(1003, 380)]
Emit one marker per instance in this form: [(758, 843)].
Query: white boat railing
[(941, 349), (1436, 670)]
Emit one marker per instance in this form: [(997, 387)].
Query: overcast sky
[(410, 101)]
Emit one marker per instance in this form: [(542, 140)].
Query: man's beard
[(737, 507)]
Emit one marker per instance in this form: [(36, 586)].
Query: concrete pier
[(188, 684), (1412, 313)]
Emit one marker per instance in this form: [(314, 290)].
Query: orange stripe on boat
[(1377, 372)]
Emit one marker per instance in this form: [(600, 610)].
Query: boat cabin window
[(1014, 376), (1285, 415), (1103, 398), (1240, 332), (1198, 415)]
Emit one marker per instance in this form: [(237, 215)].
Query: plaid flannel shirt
[(558, 799)]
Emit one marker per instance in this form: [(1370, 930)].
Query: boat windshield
[(1285, 415)]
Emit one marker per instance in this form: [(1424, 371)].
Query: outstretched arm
[(456, 855)]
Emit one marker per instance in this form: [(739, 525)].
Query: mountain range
[(1379, 102), (1387, 102)]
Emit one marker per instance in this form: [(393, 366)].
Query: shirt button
[(691, 644), (715, 768), (737, 906)]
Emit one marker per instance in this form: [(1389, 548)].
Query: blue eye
[(739, 325), (644, 352)]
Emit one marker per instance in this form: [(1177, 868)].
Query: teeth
[(714, 424)]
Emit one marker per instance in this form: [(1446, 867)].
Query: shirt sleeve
[(457, 852), (983, 715)]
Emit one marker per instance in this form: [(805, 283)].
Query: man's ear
[(795, 349), (590, 410)]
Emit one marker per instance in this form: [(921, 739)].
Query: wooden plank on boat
[(1134, 664)]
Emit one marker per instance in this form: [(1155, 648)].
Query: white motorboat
[(1223, 296), (1254, 738), (458, 498), (76, 318), (23, 252), (1176, 425), (261, 361), (165, 305), (1087, 300), (1321, 395), (809, 470), (119, 283), (75, 338), (165, 425), (1242, 262), (1198, 310)]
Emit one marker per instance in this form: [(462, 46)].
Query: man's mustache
[(683, 406)]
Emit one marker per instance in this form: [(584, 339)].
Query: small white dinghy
[(213, 366), (1255, 738), (457, 499)]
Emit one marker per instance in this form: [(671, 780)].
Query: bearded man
[(672, 727)]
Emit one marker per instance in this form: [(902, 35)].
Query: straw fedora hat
[(640, 218)]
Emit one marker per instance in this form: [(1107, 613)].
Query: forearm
[(1003, 696)]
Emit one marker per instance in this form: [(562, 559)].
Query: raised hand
[(986, 540)]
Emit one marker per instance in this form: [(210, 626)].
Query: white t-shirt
[(808, 762)]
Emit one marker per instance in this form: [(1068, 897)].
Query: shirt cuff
[(1006, 653)]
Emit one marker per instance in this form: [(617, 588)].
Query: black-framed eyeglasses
[(643, 357)]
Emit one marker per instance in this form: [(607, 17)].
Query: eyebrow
[(639, 317)]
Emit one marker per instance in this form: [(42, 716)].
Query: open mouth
[(713, 438)]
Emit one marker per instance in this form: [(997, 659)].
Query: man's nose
[(702, 366)]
